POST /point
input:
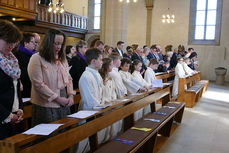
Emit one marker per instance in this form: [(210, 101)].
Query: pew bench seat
[(143, 141), (193, 94)]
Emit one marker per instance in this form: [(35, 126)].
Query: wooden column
[(149, 7)]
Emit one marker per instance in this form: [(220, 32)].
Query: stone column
[(114, 22), (149, 7)]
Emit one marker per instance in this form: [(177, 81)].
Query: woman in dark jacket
[(10, 102)]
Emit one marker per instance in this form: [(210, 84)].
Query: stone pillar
[(114, 22), (149, 7)]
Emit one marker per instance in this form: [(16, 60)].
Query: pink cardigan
[(44, 78)]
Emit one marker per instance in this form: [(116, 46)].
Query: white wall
[(79, 7), (209, 56)]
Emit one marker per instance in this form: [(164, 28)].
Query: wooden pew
[(27, 106), (145, 141), (70, 132), (166, 77), (195, 88)]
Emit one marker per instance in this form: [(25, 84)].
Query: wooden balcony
[(19, 8), (66, 21)]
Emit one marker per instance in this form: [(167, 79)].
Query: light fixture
[(127, 1), (13, 19), (168, 18), (57, 8)]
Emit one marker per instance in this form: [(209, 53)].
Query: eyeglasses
[(12, 44), (33, 42)]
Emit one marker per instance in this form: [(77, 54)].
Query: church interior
[(194, 120)]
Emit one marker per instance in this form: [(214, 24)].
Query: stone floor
[(205, 127)]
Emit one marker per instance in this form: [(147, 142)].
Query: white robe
[(179, 73), (149, 75), (130, 82), (109, 95), (187, 69), (133, 84), (90, 85), (120, 88), (108, 91), (137, 75)]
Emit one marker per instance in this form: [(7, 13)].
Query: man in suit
[(138, 55), (119, 48), (79, 63), (153, 52), (129, 52)]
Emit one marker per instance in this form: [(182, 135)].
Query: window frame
[(97, 16), (192, 23)]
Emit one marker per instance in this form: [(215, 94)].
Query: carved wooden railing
[(66, 20)]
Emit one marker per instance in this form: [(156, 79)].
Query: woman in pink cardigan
[(52, 90)]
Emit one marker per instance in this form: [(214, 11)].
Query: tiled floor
[(205, 127)]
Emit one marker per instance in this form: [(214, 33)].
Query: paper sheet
[(101, 106), (83, 114), (43, 129), (151, 119), (123, 100), (157, 83), (26, 99)]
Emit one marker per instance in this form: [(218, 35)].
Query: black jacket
[(136, 56), (7, 95), (77, 69), (23, 60), (116, 51)]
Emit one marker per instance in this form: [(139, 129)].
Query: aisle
[(205, 128)]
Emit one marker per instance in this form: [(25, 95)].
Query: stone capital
[(149, 3)]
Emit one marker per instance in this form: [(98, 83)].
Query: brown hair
[(153, 61), (9, 32), (80, 44), (134, 63), (125, 61), (114, 56), (26, 38), (91, 54), (46, 49), (104, 69), (98, 42)]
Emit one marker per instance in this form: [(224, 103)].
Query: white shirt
[(120, 52), (120, 88), (130, 82), (149, 75), (137, 75), (90, 85), (109, 93)]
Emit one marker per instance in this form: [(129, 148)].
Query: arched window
[(205, 22)]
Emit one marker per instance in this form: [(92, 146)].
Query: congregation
[(48, 73)]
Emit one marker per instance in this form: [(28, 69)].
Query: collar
[(25, 50), (81, 56)]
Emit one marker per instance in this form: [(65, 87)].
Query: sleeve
[(70, 90), (4, 113), (147, 77), (131, 85), (87, 93), (36, 77)]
